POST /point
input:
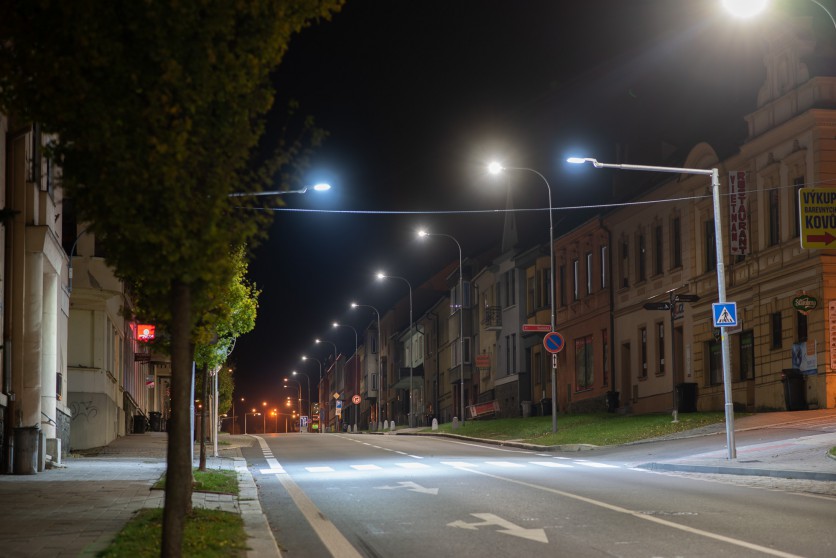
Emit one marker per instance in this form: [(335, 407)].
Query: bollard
[(455, 423), (435, 424)]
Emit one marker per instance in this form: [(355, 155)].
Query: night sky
[(419, 96)]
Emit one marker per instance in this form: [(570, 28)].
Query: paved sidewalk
[(77, 509)]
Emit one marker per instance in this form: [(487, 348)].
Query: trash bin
[(26, 450), (139, 424), (526, 408), (156, 421), (612, 401), (795, 389), (546, 407), (686, 397)]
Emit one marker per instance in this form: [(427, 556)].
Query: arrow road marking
[(411, 486), (508, 528)]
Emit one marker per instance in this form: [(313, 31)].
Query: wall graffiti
[(84, 409)]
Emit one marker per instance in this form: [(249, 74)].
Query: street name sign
[(657, 306), (542, 328), (817, 215)]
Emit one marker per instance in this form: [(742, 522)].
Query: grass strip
[(218, 481), (206, 533)]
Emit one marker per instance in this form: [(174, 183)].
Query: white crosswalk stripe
[(552, 464)]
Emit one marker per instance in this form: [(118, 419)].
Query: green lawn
[(599, 429), (221, 481), (207, 533)]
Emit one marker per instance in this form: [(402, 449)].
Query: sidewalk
[(77, 509), (803, 458)]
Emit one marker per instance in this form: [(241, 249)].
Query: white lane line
[(641, 515), (415, 456), (366, 467), (412, 465), (319, 469), (401, 452), (506, 464), (596, 465), (551, 464), (271, 461)]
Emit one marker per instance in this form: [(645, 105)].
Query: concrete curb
[(742, 471), (504, 443)]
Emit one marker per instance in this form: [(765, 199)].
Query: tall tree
[(158, 106), (232, 316)]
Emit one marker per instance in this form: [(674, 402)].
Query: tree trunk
[(204, 399), (178, 486)]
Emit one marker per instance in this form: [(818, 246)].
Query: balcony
[(492, 320)]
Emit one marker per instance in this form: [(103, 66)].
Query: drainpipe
[(610, 282)]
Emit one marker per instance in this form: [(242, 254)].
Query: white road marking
[(412, 465), (506, 464), (463, 464), (319, 469), (508, 528), (597, 465), (551, 464), (411, 486), (366, 467)]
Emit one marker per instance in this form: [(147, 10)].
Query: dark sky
[(419, 96)]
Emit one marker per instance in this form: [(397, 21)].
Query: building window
[(676, 242), (584, 375), (798, 184), (710, 247), (576, 272), (643, 337), (456, 349), (604, 255), (660, 346), (530, 291), (715, 362), (747, 355), (561, 285), (510, 288), (641, 248), (624, 272), (801, 327), (774, 217), (605, 358), (589, 273), (776, 330), (657, 250), (539, 376), (507, 354), (514, 352)]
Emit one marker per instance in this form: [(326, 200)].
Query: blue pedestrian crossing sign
[(725, 314)]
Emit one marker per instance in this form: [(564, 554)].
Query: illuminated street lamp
[(749, 8), (721, 270), (309, 388), (318, 386), (496, 168), (318, 341), (379, 349), (356, 344), (381, 276), (300, 397), (422, 234), (321, 187)]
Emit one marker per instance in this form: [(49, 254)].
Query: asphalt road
[(365, 495)]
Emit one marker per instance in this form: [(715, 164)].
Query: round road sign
[(553, 342), (356, 399)]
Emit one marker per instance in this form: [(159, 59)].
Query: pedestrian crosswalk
[(552, 464)]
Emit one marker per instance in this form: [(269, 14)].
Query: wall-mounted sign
[(483, 361), (145, 332), (738, 214), (805, 303)]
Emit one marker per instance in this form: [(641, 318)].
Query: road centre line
[(639, 515)]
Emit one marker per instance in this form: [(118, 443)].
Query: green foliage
[(207, 533), (219, 481), (158, 107)]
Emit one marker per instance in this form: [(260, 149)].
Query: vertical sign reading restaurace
[(738, 214)]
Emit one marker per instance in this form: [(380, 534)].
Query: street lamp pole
[(318, 388), (309, 388), (356, 344), (496, 168), (336, 418), (721, 272), (411, 340), (423, 233), (379, 349), (321, 187), (299, 404)]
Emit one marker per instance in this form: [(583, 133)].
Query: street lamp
[(422, 234), (330, 343), (496, 168), (253, 413), (721, 270), (321, 187), (379, 349), (750, 8), (318, 386), (299, 405), (381, 276), (356, 344), (309, 388), (264, 414)]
